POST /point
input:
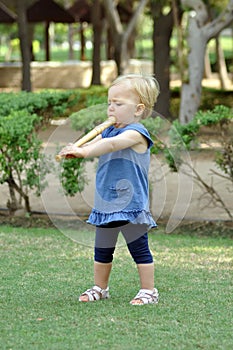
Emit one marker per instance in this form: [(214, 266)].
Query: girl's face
[(123, 104)]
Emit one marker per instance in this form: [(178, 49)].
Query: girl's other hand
[(71, 151)]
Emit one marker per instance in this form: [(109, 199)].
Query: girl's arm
[(128, 139), (96, 139)]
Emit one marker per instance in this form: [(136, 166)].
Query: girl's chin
[(120, 125), (117, 125)]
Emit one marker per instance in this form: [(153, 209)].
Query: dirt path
[(174, 197)]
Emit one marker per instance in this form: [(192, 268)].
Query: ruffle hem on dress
[(98, 218)]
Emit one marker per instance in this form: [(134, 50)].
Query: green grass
[(43, 272)]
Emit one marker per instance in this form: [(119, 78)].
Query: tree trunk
[(116, 30), (221, 65), (119, 34), (200, 31), (30, 41), (110, 46), (83, 42), (191, 91), (97, 29), (12, 203), (14, 187), (207, 65), (163, 26), (24, 45), (177, 14), (70, 40), (47, 46)]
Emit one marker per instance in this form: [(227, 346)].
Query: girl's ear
[(140, 109)]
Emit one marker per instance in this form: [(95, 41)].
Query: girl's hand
[(71, 151)]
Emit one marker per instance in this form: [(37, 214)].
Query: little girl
[(122, 190)]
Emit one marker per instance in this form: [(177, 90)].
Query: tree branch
[(113, 17), (225, 18), (200, 8), (134, 19), (210, 190)]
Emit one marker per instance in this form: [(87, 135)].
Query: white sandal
[(95, 293), (146, 296)]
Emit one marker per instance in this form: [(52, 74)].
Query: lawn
[(43, 272)]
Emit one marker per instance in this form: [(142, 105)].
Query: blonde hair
[(146, 86)]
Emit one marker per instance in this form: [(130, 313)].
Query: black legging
[(135, 236)]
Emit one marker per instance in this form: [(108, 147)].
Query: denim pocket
[(117, 192), (122, 193)]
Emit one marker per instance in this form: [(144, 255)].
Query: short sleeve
[(112, 131)]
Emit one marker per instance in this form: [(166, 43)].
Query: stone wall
[(67, 75)]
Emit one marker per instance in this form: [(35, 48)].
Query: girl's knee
[(104, 255), (139, 250)]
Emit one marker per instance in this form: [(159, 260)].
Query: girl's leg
[(140, 252), (101, 277), (105, 243), (101, 274), (146, 275)]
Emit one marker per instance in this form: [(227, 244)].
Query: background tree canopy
[(175, 35)]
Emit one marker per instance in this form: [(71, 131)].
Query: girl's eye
[(115, 104)]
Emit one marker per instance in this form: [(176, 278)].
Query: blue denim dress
[(122, 189)]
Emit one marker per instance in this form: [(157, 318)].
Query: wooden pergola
[(48, 11), (6, 16), (81, 11)]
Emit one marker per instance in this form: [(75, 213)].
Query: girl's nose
[(111, 106)]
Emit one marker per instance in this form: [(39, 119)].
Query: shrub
[(22, 166), (46, 104), (20, 159), (186, 136)]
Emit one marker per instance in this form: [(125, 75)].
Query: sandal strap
[(96, 293), (147, 296)]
